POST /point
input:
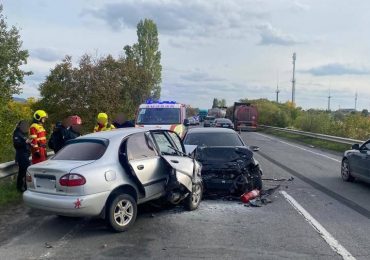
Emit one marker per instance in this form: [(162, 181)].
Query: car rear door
[(167, 143), (146, 165)]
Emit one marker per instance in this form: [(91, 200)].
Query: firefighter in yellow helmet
[(38, 137), (103, 123)]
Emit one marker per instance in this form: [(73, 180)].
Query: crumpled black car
[(228, 165)]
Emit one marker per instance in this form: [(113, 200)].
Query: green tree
[(222, 103), (96, 85), (12, 57), (215, 103), (10, 114), (146, 53), (365, 112)]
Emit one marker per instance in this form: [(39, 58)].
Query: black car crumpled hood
[(223, 157)]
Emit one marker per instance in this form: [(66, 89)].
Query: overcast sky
[(225, 49)]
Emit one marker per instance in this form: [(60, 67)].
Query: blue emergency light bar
[(149, 101)]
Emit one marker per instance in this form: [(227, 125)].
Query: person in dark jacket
[(121, 122), (22, 147), (60, 135)]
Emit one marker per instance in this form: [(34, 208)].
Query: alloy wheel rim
[(123, 212)]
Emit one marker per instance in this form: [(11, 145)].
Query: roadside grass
[(8, 192), (318, 143)]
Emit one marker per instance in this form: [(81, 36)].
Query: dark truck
[(245, 116)]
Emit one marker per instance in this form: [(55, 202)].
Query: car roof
[(202, 130)]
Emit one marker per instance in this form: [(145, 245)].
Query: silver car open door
[(184, 167), (171, 150)]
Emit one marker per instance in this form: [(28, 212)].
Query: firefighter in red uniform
[(38, 137)]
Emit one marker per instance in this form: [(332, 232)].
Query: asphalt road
[(316, 216)]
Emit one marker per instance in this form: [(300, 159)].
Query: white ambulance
[(163, 115)]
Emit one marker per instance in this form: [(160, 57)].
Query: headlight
[(254, 161)]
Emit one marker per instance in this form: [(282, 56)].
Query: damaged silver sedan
[(108, 173)]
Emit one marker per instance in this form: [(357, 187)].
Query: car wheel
[(346, 171), (122, 211), (193, 200), (256, 181)]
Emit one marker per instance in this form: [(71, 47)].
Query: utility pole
[(329, 97), (293, 80), (277, 93), (356, 101)]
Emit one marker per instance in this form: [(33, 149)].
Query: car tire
[(346, 171), (194, 198), (256, 181), (121, 212)]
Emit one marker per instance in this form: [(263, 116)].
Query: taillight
[(28, 177), (72, 180)]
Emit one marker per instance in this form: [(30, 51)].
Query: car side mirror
[(355, 147), (254, 148), (186, 122)]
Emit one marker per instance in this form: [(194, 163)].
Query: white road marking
[(329, 239), (304, 149)]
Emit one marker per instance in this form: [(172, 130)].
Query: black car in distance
[(356, 163), (224, 123)]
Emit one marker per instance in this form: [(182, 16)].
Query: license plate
[(47, 184), (225, 126)]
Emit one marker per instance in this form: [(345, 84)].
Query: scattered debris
[(275, 179), (47, 245), (258, 199), (104, 246)]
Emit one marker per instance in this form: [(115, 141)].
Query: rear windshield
[(213, 139), (223, 120), (82, 151), (210, 118)]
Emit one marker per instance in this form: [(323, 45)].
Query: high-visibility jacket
[(38, 143), (106, 127)]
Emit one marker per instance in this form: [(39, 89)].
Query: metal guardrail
[(331, 138), (8, 169), (11, 168)]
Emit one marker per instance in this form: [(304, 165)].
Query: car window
[(213, 139), (176, 140), (137, 147), (366, 146), (163, 143), (81, 151)]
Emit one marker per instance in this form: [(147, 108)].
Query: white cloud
[(46, 54), (272, 36), (336, 69)]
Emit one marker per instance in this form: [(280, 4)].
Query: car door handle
[(174, 161), (140, 167)]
